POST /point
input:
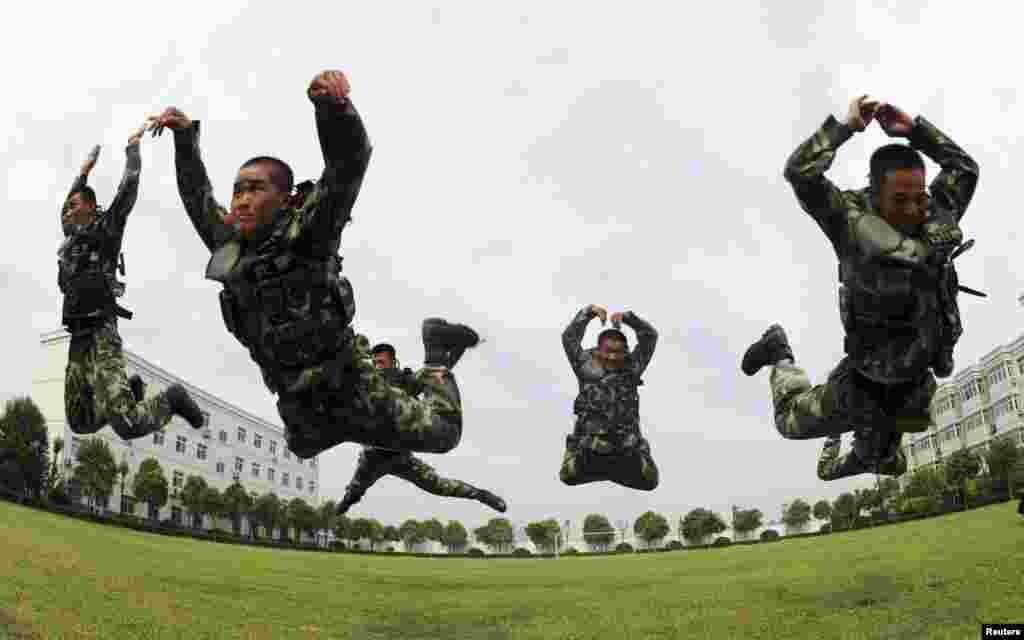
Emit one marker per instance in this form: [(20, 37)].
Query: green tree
[(961, 465), (55, 476), (1001, 457), (498, 534), (375, 533), (391, 534), (237, 503), (797, 515), (651, 527), (412, 534), (822, 510), (544, 534), (266, 512), (925, 482), (342, 528), (746, 521), (303, 517), (867, 499), (455, 537), (24, 446), (284, 520), (844, 511), (123, 469), (327, 515), (192, 497), (213, 504), (96, 471), (888, 493), (361, 530), (150, 485), (433, 529), (598, 532), (699, 524)]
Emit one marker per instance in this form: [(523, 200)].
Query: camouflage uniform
[(375, 462), (286, 302), (873, 452), (606, 443), (96, 391), (897, 317)]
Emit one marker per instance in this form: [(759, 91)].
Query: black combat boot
[(943, 365), (486, 497), (183, 405), (772, 347), (138, 387), (444, 343), (345, 505)]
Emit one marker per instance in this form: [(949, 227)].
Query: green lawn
[(936, 578)]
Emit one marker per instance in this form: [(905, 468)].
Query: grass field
[(936, 578)]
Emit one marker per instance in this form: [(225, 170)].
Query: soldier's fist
[(600, 312), (172, 118), (90, 160), (861, 111), (329, 84), (894, 121)]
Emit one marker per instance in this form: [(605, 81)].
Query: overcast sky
[(528, 160)]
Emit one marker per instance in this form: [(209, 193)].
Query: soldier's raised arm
[(806, 167), (128, 191), (346, 150), (646, 340), (954, 187), (80, 181), (194, 187), (572, 337)]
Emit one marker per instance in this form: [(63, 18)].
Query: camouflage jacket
[(891, 301), (608, 401), (308, 228), (109, 226), (405, 379)]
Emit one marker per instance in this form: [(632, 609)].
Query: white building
[(980, 403), (234, 444)]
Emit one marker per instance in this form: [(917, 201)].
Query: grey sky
[(528, 160)]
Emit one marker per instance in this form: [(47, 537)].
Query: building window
[(206, 418), (179, 446), (224, 436), (298, 482), (220, 467), (257, 440), (127, 504), (238, 465), (158, 438), (273, 447), (179, 479), (284, 478), (201, 451), (255, 469), (241, 434), (270, 474)]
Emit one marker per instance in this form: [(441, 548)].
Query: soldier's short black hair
[(280, 173), (893, 157), (87, 193), (612, 333), (384, 348)]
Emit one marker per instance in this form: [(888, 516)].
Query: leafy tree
[(867, 499), (926, 482), (455, 536), (284, 521), (213, 503), (598, 532), (844, 510), (96, 471), (797, 515), (1001, 457), (544, 534), (55, 476), (651, 527), (266, 512), (360, 530), (342, 527), (123, 469), (237, 503), (746, 521), (699, 524), (771, 534), (433, 529), (376, 533), (192, 495), (497, 534), (391, 534), (302, 516), (24, 446), (150, 485), (327, 515), (822, 510), (888, 493), (412, 534), (959, 467)]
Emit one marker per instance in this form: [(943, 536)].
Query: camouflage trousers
[(375, 463), (362, 407), (624, 459), (96, 391), (881, 454), (847, 402)]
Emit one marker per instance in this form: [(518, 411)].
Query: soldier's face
[(904, 199), (383, 360), (255, 199), (80, 210), (612, 353)]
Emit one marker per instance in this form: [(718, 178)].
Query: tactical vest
[(402, 378), (291, 311), (613, 400), (86, 275)]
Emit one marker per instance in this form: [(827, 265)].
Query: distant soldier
[(606, 443), (285, 300), (895, 243), (375, 463), (97, 391)]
